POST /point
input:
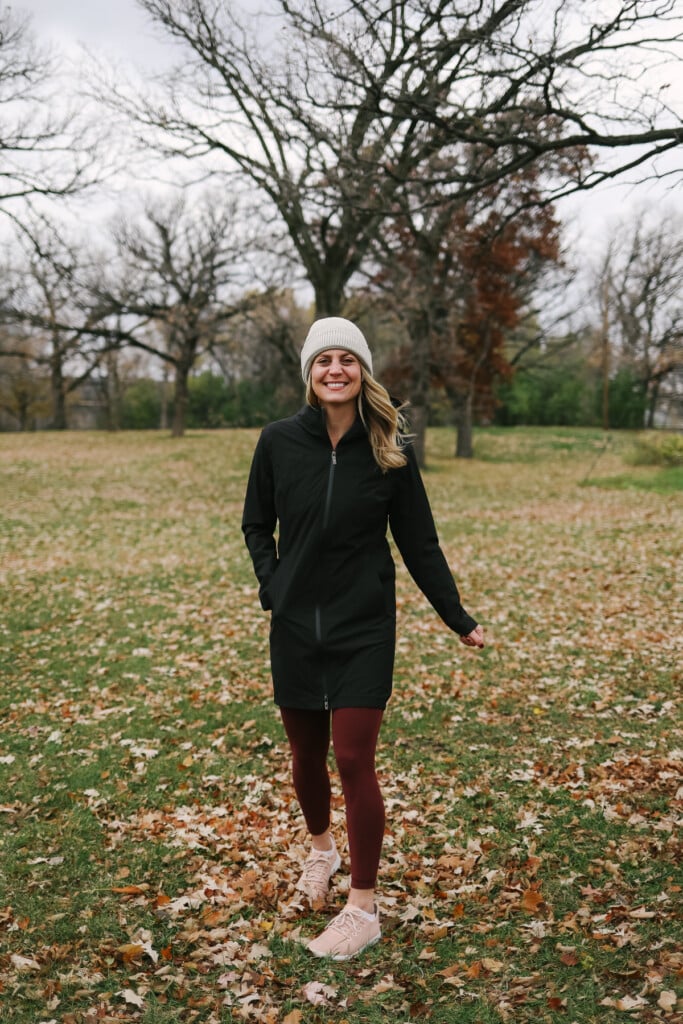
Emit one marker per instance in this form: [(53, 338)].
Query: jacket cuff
[(465, 624)]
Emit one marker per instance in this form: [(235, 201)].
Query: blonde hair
[(384, 423)]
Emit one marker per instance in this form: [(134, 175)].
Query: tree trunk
[(113, 392), (329, 296), (418, 330), (418, 428), (22, 411), (58, 394), (180, 399), (163, 422), (464, 448), (652, 405)]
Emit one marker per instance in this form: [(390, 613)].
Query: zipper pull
[(334, 457)]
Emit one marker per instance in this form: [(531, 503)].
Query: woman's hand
[(474, 639)]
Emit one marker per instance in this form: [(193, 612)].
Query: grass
[(149, 835)]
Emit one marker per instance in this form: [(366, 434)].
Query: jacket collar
[(313, 421)]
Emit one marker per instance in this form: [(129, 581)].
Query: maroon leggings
[(354, 735)]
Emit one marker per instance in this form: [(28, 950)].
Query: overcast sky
[(116, 28), (121, 32)]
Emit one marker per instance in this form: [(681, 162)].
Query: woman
[(330, 479)]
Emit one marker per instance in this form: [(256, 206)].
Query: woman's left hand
[(474, 639)]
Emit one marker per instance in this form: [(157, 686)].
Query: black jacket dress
[(329, 578)]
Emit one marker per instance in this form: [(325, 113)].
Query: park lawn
[(149, 835)]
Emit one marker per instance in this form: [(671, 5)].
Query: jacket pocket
[(268, 591)]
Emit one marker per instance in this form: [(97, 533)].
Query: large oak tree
[(330, 109)]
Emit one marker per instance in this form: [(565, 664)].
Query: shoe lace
[(347, 922), (317, 868)]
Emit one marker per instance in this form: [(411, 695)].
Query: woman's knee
[(355, 764)]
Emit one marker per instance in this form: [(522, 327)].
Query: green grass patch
[(149, 834), (661, 481)]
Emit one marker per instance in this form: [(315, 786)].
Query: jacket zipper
[(330, 482), (318, 612)]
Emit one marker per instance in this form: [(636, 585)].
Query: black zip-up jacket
[(329, 579)]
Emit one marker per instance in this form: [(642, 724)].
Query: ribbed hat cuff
[(334, 332)]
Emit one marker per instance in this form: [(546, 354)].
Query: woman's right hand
[(475, 638)]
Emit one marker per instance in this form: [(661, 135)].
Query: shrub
[(657, 449), (141, 406)]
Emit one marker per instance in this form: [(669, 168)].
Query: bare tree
[(330, 111), (45, 295), (178, 280), (640, 295), (23, 386), (43, 150)]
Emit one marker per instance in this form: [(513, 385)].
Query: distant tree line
[(399, 163)]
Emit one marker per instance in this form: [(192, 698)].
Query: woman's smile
[(336, 377)]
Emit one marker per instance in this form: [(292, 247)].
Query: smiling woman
[(336, 378), (331, 479)]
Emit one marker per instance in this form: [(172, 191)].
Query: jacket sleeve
[(259, 519), (412, 527)]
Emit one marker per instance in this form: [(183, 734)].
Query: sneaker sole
[(338, 957)]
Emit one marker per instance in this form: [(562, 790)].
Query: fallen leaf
[(129, 951), (131, 997), (295, 1017), (531, 901), (570, 958), (24, 963), (318, 994), (492, 965), (667, 1001)]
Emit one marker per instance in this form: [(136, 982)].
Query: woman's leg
[(355, 732), (309, 738), (308, 733)]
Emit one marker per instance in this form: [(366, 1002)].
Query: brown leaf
[(129, 951), (531, 901), (667, 1001), (494, 966), (295, 1017), (570, 958)]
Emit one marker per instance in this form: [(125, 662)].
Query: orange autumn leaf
[(129, 951), (531, 901), (295, 1017), (570, 957), (449, 972)]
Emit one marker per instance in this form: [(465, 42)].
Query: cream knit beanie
[(334, 332)]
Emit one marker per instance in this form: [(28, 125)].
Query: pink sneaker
[(318, 870), (347, 934)]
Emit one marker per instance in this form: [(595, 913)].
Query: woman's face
[(336, 377)]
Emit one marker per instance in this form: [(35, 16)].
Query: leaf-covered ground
[(149, 835)]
